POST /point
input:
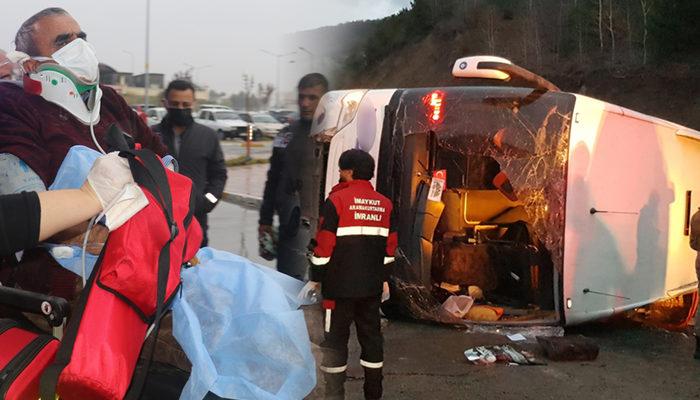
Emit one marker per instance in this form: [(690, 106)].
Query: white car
[(155, 115), (227, 124), (267, 124), (214, 107)]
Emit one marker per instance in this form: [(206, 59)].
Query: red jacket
[(355, 242)]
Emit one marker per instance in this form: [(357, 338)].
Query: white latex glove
[(108, 177), (111, 180), (385, 292)]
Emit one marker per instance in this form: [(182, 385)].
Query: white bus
[(561, 208)]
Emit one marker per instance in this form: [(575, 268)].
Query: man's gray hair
[(24, 40)]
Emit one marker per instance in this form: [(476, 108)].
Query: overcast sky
[(221, 38)]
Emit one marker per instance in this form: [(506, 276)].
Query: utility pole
[(147, 78), (277, 68)]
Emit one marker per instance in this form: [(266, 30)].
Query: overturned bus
[(558, 207)]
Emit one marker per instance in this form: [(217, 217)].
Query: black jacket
[(200, 158), (291, 189), (20, 217)]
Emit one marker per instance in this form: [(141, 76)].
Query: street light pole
[(277, 67), (147, 78), (311, 56)]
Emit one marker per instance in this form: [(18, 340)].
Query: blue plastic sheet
[(241, 328), (71, 175), (74, 168)]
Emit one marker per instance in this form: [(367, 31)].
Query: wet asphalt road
[(424, 361)]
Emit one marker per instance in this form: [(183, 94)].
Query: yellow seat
[(465, 208)]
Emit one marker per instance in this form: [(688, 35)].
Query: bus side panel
[(363, 132), (624, 239)]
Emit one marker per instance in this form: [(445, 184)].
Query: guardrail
[(243, 200)]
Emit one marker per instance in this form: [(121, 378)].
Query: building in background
[(132, 87)]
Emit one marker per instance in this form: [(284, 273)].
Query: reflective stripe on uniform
[(388, 260), (320, 260), (327, 328), (368, 364), (334, 370), (362, 230)]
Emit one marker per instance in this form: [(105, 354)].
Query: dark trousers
[(203, 222), (291, 252), (365, 313)]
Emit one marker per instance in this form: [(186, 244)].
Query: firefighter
[(352, 260)]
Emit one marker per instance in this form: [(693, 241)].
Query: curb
[(243, 200)]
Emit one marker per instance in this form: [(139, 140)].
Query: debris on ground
[(483, 312), (517, 337), (569, 348), (531, 333), (458, 305), (505, 354)]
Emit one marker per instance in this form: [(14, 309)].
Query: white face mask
[(79, 57)]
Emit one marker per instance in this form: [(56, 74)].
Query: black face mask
[(180, 116)]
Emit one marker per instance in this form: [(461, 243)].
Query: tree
[(490, 29), (646, 8), (265, 93), (185, 75), (600, 24), (611, 29)]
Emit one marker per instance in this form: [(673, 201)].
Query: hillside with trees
[(641, 54)]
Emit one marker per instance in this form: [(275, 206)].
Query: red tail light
[(435, 102)]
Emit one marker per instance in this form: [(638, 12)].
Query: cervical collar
[(57, 85)]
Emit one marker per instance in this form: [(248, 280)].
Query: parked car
[(214, 107), (267, 124), (284, 116), (227, 124), (155, 115)]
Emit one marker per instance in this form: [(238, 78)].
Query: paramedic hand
[(121, 198), (310, 293), (264, 229), (385, 292), (108, 177)]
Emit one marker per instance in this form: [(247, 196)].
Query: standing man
[(290, 190), (195, 147), (352, 262), (695, 245)]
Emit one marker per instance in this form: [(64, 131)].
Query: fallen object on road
[(506, 354), (569, 348), (458, 305), (484, 313)]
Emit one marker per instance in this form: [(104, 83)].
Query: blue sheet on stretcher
[(241, 328)]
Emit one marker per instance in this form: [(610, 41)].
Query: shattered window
[(504, 151)]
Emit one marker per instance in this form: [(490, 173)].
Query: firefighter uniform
[(353, 257)]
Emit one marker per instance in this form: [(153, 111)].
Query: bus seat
[(466, 208)]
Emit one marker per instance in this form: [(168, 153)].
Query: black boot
[(697, 348)]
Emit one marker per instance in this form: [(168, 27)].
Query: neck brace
[(57, 85)]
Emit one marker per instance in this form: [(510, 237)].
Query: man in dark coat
[(195, 147), (291, 189)]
